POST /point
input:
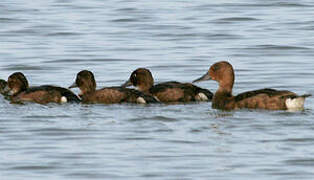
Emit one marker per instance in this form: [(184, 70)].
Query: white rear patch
[(63, 99), (201, 97), (140, 100), (295, 104)]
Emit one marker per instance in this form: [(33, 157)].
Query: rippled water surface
[(269, 43)]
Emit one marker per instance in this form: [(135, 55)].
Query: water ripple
[(269, 43), (19, 67)]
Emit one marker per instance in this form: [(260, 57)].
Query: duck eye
[(216, 67), (134, 79), (133, 76)]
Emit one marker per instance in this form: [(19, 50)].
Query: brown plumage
[(270, 99), (109, 95), (3, 84), (20, 92), (168, 92)]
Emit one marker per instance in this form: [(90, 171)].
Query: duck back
[(111, 95), (270, 99), (46, 94), (174, 91), (138, 96)]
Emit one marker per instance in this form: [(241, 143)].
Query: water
[(269, 43)]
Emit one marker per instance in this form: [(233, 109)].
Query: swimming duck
[(20, 92), (168, 92), (86, 82), (270, 99), (3, 84)]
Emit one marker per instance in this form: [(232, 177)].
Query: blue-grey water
[(270, 44)]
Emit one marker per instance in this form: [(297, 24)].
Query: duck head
[(141, 78), (85, 81), (3, 84), (223, 73), (17, 83)]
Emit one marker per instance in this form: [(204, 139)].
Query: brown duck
[(19, 91), (109, 95), (3, 84), (270, 99), (167, 92)]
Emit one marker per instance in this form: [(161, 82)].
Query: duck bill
[(126, 84), (74, 85), (205, 77), (7, 91)]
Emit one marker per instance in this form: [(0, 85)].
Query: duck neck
[(145, 87), (17, 90), (224, 90), (90, 91), (91, 86), (225, 87), (226, 81), (87, 90), (222, 96)]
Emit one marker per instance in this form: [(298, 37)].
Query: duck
[(166, 92), (269, 99), (3, 84), (86, 82), (19, 92)]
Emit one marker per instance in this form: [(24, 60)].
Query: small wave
[(288, 4), (155, 118), (302, 162), (238, 19), (125, 20), (126, 9), (25, 31), (33, 167), (278, 47), (46, 117), (21, 68), (172, 35), (223, 36), (71, 61), (299, 140), (183, 142), (272, 4), (262, 4), (9, 20), (63, 34), (137, 138), (65, 130), (292, 140)]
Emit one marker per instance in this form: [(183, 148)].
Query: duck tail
[(306, 95), (204, 94), (296, 102), (70, 97)]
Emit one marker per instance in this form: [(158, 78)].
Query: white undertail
[(295, 103), (201, 97), (140, 100), (63, 99)]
